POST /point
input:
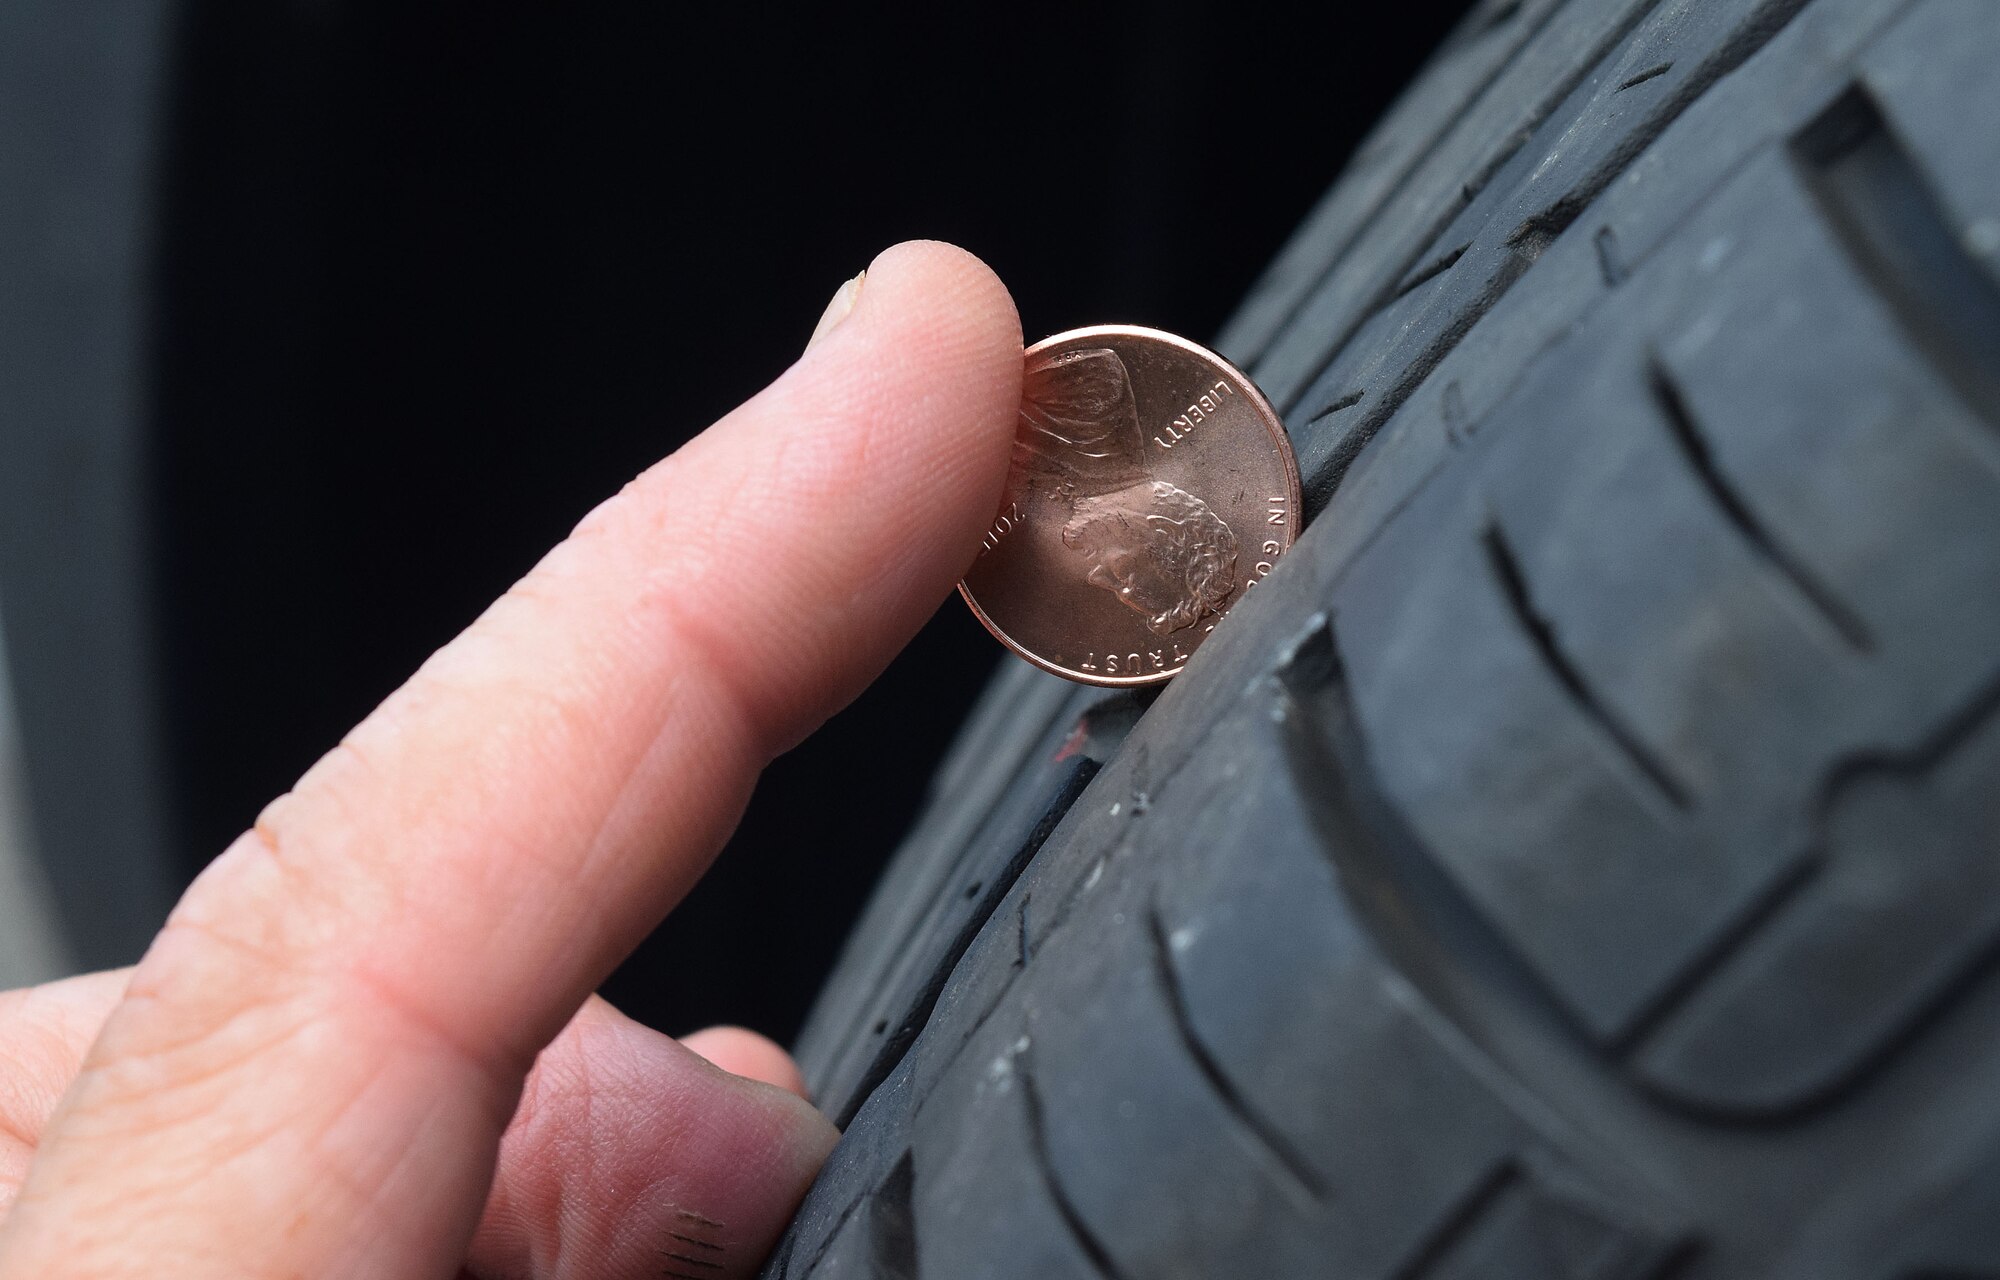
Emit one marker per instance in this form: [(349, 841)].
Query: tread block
[(1640, 691), (1692, 602), (1305, 1058), (900, 1001), (1957, 1236), (1819, 410), (1265, 1102), (873, 1145), (878, 1239), (1549, 837), (1519, 1225), (1013, 722), (1663, 612), (977, 983), (985, 1207), (1121, 1099), (1905, 900)]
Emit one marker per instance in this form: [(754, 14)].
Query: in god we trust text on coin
[(1152, 487)]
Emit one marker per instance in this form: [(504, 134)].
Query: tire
[(1581, 857)]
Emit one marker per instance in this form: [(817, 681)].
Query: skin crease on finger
[(311, 1071)]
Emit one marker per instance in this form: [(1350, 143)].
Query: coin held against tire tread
[(1152, 486)]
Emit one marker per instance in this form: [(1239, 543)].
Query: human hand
[(365, 1044)]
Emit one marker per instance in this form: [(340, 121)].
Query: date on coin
[(1152, 487)]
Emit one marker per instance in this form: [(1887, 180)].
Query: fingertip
[(959, 277), (628, 1143), (934, 305), (929, 305), (743, 1052)]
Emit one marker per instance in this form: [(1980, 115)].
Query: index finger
[(400, 934)]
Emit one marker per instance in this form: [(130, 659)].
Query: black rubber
[(1581, 857)]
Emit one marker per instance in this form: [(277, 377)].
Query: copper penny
[(1152, 486)]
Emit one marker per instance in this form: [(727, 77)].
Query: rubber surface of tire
[(1581, 857)]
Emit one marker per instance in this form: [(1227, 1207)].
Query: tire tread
[(1577, 858)]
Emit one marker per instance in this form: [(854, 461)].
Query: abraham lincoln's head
[(1159, 549)]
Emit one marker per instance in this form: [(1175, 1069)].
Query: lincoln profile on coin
[(1156, 547)]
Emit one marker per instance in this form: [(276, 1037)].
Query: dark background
[(426, 282)]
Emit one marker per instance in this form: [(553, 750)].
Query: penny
[(1152, 487)]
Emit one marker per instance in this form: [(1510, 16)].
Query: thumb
[(631, 1155)]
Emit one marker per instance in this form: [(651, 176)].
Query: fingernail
[(836, 310)]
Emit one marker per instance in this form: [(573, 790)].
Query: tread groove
[(892, 1225), (1648, 74), (1432, 270), (819, 1252), (1939, 998), (1693, 975), (1499, 16), (1460, 1220), (1916, 761), (1732, 55), (1514, 586), (1319, 488), (1387, 872), (1695, 451), (1572, 937), (1456, 424), (1400, 183), (1038, 1141), (904, 1032), (1303, 1181), (1609, 264), (1535, 117), (1892, 227)]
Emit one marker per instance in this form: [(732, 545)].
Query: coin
[(1152, 487)]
